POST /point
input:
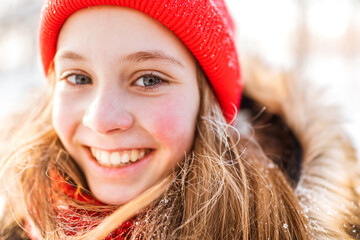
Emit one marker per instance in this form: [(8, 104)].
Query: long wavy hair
[(226, 187)]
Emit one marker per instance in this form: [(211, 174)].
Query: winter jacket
[(304, 135)]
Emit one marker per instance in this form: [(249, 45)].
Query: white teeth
[(96, 153), (104, 157), (125, 158), (117, 159), (134, 155), (93, 151)]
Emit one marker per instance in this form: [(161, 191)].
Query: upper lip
[(119, 149)]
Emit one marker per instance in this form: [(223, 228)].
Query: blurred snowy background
[(320, 38)]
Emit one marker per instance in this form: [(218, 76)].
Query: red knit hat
[(204, 26)]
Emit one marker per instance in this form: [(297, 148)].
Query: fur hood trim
[(328, 185)]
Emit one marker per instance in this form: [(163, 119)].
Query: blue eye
[(148, 81), (78, 79)]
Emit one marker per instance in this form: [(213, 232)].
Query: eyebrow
[(64, 55), (151, 55), (140, 56)]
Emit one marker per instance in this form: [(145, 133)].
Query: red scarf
[(77, 221)]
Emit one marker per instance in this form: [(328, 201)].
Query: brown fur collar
[(327, 175)]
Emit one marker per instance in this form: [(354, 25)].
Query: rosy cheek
[(174, 124)]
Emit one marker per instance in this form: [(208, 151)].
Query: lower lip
[(117, 172)]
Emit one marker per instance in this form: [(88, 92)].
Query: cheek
[(62, 126), (173, 124), (63, 117)]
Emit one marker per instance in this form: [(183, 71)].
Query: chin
[(113, 195), (113, 199)]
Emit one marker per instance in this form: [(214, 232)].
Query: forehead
[(108, 30)]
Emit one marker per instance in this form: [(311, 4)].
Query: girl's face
[(126, 100)]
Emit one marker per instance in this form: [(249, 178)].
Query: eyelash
[(153, 87), (70, 74), (147, 88)]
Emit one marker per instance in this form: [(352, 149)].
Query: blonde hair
[(226, 188)]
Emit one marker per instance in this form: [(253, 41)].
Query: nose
[(108, 113)]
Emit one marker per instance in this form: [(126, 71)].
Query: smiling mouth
[(118, 158)]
